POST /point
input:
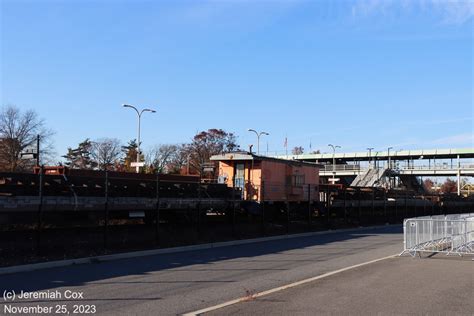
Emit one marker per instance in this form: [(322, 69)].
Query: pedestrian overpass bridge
[(368, 168), (429, 155), (419, 171)]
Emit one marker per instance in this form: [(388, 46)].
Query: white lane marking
[(281, 288)]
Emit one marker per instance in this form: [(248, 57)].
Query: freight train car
[(88, 193)]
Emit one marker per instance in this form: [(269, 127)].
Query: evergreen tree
[(80, 157), (129, 155)]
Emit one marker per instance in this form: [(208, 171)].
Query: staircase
[(411, 183), (369, 178)]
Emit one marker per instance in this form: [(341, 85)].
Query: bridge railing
[(343, 167), (438, 167), (330, 168)]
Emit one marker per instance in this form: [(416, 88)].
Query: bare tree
[(160, 157), (168, 158), (429, 185), (297, 150), (18, 132), (106, 152), (179, 160)]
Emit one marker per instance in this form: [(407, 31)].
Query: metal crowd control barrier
[(451, 234)]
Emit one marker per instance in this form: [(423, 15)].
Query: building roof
[(247, 156)]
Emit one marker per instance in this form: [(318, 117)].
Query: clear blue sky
[(357, 74)]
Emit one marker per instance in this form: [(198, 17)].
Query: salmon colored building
[(269, 179)]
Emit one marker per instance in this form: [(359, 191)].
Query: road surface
[(399, 286), (177, 283)]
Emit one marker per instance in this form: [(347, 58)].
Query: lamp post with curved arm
[(139, 114), (389, 160), (334, 161), (370, 156), (258, 138)]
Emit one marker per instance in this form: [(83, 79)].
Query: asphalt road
[(400, 286), (177, 283)]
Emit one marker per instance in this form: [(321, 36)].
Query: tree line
[(19, 131), (187, 158)]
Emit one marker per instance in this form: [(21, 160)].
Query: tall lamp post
[(139, 114), (370, 155), (389, 161), (334, 162), (258, 138)]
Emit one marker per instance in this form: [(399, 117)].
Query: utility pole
[(38, 150)]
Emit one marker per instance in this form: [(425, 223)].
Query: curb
[(152, 252)]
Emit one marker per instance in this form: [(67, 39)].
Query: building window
[(297, 180)]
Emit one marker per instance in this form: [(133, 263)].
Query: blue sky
[(355, 73)]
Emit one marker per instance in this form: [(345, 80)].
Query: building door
[(239, 175)]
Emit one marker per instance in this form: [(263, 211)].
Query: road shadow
[(102, 272)]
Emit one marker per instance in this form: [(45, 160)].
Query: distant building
[(282, 180)]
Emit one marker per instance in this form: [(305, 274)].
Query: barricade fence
[(450, 234)]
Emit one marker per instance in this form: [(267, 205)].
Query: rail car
[(88, 193), (249, 184)]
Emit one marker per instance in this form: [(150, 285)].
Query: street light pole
[(389, 161), (370, 155), (258, 138), (139, 115), (334, 162)]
